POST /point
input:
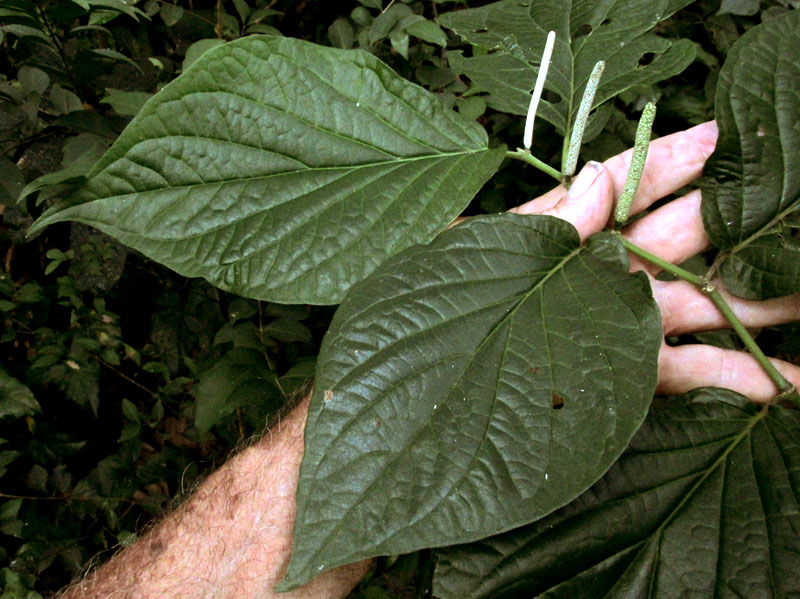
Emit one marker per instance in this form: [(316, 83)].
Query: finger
[(673, 161), (587, 204), (673, 232), (685, 309), (686, 367)]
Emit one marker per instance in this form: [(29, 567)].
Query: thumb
[(587, 204)]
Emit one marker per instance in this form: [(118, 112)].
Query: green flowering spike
[(640, 147), (582, 117)]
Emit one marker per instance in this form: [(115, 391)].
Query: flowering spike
[(640, 147), (527, 139), (582, 117)]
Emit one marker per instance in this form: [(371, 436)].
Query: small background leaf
[(739, 7), (436, 366), (428, 31), (11, 182), (703, 504), (126, 103), (16, 399), (198, 48), (241, 377), (752, 181)]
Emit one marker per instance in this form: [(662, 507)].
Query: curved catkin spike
[(527, 139), (581, 118), (640, 147)]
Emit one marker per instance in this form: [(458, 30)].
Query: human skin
[(232, 538)]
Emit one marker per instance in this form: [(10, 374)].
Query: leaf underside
[(751, 191), (471, 386), (586, 31), (282, 170), (704, 503)]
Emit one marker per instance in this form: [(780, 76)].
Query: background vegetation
[(116, 375)]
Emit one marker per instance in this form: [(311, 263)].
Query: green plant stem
[(59, 48), (670, 268), (526, 156), (785, 387), (219, 26), (787, 390)]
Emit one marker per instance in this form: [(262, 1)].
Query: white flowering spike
[(582, 117), (527, 139)]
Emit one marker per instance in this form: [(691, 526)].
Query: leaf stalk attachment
[(582, 117), (640, 147), (527, 138), (526, 156)]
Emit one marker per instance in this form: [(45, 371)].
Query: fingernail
[(706, 134), (585, 179)]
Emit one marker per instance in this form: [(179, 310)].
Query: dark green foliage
[(751, 196), (269, 186), (466, 362), (703, 502), (121, 383)]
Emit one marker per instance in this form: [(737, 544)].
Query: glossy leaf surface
[(283, 170), (586, 31), (703, 504), (752, 189), (471, 386)]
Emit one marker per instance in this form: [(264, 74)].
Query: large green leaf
[(471, 386), (703, 504), (752, 187), (285, 171), (615, 31)]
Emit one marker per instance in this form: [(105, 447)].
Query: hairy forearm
[(231, 539)]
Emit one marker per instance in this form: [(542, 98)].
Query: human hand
[(674, 232)]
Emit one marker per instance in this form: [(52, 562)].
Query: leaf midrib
[(720, 461), (60, 215)]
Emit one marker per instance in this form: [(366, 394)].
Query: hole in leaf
[(327, 395), (606, 22), (646, 58), (582, 31), (551, 97), (557, 401)]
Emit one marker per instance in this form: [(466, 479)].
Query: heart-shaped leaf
[(752, 186), (704, 503), (283, 170), (470, 386), (586, 31)]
